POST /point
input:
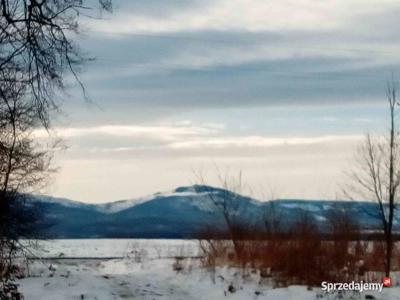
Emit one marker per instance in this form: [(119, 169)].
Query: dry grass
[(301, 255)]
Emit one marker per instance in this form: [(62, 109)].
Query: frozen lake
[(115, 248)]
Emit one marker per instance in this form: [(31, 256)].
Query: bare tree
[(377, 172), (36, 53), (24, 167), (36, 41), (272, 216), (226, 200)]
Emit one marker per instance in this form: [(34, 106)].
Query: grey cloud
[(148, 76)]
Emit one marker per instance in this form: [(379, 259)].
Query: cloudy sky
[(280, 89)]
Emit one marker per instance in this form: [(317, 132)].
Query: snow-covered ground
[(147, 269)]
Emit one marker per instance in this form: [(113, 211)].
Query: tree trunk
[(389, 250)]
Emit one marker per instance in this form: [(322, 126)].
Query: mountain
[(182, 213)]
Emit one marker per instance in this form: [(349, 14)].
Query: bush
[(299, 255), (9, 291)]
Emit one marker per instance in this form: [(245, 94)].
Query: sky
[(281, 90)]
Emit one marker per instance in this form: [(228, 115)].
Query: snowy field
[(150, 269)]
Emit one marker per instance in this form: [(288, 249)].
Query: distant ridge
[(181, 213)]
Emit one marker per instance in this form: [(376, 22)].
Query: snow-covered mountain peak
[(189, 192), (117, 206)]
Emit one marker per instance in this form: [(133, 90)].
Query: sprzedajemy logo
[(387, 281), (355, 286)]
